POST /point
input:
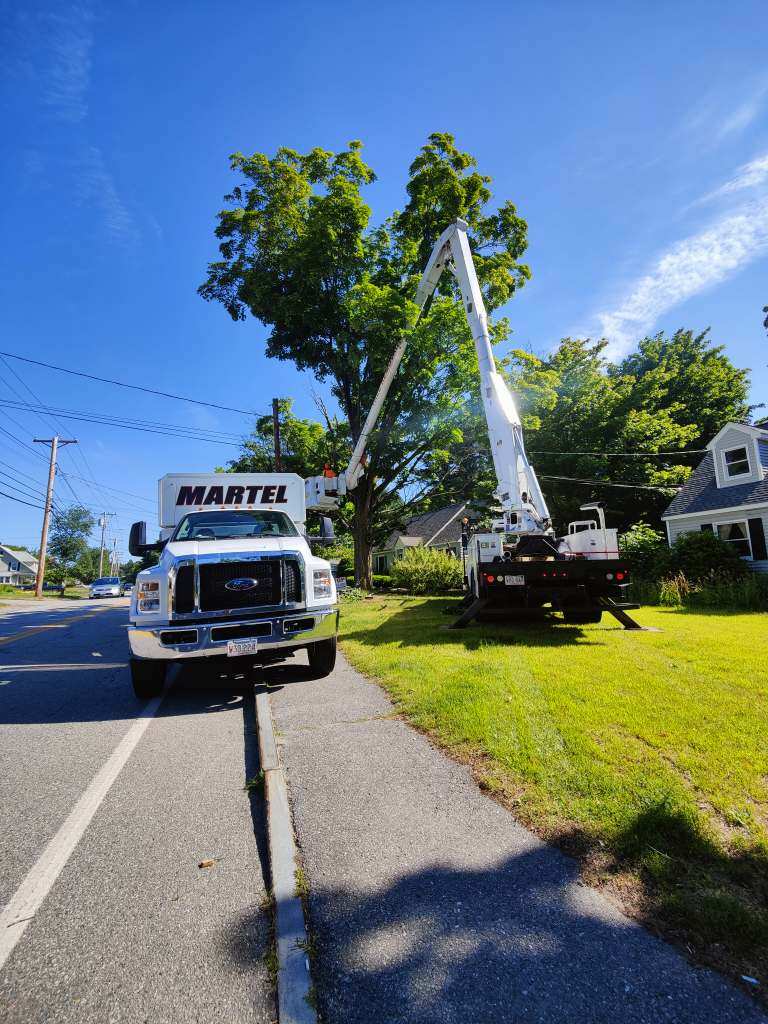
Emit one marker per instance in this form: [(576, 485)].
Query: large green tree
[(68, 540), (299, 253)]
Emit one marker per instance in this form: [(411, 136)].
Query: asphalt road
[(132, 930)]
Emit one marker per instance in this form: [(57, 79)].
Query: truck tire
[(148, 677), (322, 657), (582, 616)]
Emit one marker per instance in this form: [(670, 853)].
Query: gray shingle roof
[(446, 521), (701, 493)]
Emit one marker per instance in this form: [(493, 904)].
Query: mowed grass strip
[(646, 754)]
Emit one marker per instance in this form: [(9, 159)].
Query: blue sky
[(633, 138)]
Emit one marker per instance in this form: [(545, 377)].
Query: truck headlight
[(322, 583), (148, 597)]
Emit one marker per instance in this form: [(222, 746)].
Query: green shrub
[(703, 557), (381, 581), (645, 551), (426, 571), (749, 594)]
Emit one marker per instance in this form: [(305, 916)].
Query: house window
[(381, 564), (736, 462), (736, 534)]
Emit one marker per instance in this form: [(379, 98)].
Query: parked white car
[(107, 586)]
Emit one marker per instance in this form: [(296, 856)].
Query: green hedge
[(426, 571)]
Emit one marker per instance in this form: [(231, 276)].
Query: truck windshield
[(234, 525)]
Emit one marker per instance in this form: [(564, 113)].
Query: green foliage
[(299, 254), (86, 568), (129, 569), (306, 446), (381, 581), (427, 571), (645, 551), (702, 557), (723, 594), (69, 535)]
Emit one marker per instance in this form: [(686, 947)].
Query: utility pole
[(103, 524), (276, 429), (54, 442)]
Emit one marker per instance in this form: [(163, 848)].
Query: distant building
[(16, 566), (728, 493), (440, 530)]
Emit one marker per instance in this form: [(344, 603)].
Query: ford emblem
[(244, 583)]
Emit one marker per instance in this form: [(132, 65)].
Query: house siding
[(693, 523), (735, 438)]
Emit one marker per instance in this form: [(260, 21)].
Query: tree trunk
[(361, 532)]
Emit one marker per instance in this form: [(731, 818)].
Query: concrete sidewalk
[(429, 903)]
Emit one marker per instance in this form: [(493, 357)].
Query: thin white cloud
[(68, 40), (97, 189), (711, 124), (749, 175), (689, 267)]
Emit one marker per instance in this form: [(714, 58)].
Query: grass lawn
[(8, 593), (645, 754)]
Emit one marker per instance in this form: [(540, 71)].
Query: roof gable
[(745, 428), (701, 493), (443, 526)]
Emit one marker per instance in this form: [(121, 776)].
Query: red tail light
[(620, 575), (490, 579)]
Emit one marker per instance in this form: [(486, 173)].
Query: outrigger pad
[(469, 613), (618, 612)]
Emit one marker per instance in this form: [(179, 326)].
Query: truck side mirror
[(137, 539)]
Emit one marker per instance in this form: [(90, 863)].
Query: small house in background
[(440, 530), (728, 493), (17, 567)]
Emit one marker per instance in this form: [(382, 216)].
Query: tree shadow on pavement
[(519, 941)]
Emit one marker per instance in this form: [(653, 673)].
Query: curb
[(293, 979)]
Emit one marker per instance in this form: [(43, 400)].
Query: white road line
[(39, 881)]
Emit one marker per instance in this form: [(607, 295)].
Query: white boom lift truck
[(520, 565), (236, 578)]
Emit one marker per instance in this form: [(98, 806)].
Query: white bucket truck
[(236, 578)]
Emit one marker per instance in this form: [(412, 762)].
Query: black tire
[(582, 616), (148, 678), (322, 657)]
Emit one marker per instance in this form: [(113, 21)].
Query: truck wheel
[(148, 677), (582, 616), (322, 657)]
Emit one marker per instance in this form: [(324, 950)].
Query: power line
[(109, 417), (19, 500), (623, 455), (175, 431), (134, 387), (57, 426), (608, 483)]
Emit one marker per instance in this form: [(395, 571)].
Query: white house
[(440, 529), (728, 493), (17, 566)]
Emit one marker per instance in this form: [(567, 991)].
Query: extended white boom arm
[(525, 510)]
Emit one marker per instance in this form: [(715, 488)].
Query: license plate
[(515, 581), (237, 647)]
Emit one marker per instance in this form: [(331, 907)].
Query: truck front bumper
[(189, 639)]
